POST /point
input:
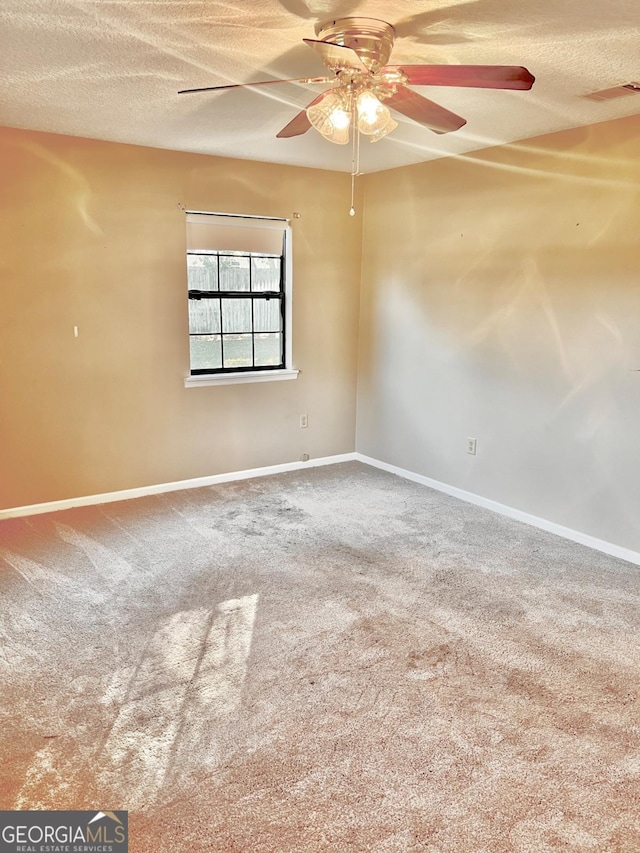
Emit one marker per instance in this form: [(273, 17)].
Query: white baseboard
[(510, 512), (214, 479)]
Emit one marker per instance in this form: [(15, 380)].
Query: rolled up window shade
[(212, 233)]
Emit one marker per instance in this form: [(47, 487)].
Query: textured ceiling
[(110, 69)]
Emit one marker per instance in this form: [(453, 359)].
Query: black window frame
[(251, 296)]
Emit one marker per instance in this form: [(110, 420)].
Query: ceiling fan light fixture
[(331, 117), (389, 127), (340, 118), (369, 107), (374, 119)]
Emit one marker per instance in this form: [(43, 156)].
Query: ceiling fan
[(363, 86)]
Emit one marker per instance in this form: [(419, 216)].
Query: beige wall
[(501, 300), (93, 234)]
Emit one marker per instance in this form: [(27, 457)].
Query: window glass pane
[(265, 273), (266, 315), (268, 350), (238, 351), (234, 272), (204, 316), (205, 352), (202, 271), (236, 315)]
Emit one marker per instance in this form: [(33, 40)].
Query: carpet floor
[(327, 660)]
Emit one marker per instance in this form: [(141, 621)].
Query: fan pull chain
[(355, 165)]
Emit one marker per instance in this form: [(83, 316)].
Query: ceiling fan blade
[(473, 76), (337, 56), (299, 124), (414, 106), (259, 83)]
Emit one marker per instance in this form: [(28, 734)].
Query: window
[(238, 270)]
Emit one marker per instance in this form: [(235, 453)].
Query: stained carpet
[(327, 660)]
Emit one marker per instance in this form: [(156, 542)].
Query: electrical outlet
[(304, 421), (471, 446)]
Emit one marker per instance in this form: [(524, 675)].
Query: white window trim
[(289, 372), (204, 379)]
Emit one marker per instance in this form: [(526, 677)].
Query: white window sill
[(235, 378)]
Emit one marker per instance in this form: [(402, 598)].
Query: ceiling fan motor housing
[(370, 38)]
